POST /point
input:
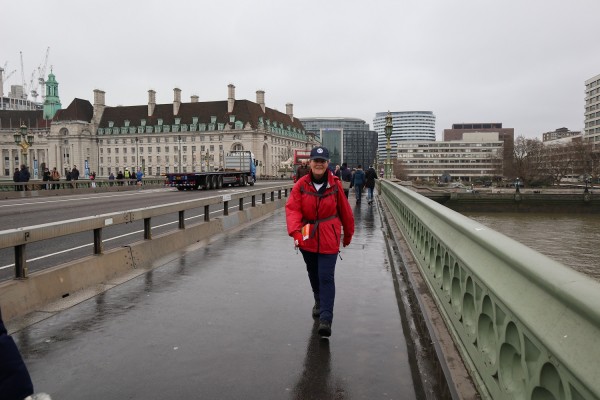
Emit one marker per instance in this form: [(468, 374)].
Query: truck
[(239, 169)]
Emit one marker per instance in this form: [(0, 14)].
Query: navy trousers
[(321, 274), (15, 383)]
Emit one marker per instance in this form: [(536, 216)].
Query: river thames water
[(571, 239)]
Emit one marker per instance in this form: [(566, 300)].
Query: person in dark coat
[(346, 178), (302, 170), (358, 181), (46, 178), (17, 179), (15, 382), (370, 177), (24, 175), (74, 173)]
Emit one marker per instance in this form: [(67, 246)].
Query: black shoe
[(316, 311), (325, 328)]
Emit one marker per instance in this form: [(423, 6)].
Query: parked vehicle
[(239, 169)]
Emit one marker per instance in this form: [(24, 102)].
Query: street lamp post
[(25, 141), (388, 147), (179, 161), (136, 155), (517, 184), (98, 155)]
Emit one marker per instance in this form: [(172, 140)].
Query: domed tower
[(52, 101)]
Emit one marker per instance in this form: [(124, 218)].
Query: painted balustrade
[(527, 326)]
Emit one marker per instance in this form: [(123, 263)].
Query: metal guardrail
[(32, 185), (527, 326), (19, 238)]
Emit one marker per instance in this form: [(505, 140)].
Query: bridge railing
[(19, 238), (528, 326)]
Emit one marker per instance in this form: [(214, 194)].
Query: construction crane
[(23, 77), (33, 86), (42, 74)]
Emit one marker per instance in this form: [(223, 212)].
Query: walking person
[(74, 173), (302, 170), (358, 181), (138, 176), (346, 178), (316, 212), (46, 178), (370, 177), (55, 177), (24, 176), (17, 179)]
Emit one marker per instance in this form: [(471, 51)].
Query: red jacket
[(326, 212)]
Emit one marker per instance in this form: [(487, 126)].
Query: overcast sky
[(519, 62)]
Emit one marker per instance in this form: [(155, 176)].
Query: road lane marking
[(107, 240), (133, 193)]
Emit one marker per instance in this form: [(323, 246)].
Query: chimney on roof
[(176, 100), (194, 99), (99, 106), (260, 99), (151, 102), (230, 98), (289, 110)]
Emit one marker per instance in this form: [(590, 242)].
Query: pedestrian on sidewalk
[(315, 214), (346, 178), (358, 182), (370, 177)]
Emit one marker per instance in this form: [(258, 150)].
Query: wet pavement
[(232, 320)]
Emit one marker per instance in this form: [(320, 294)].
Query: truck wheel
[(211, 182), (243, 180), (220, 182)]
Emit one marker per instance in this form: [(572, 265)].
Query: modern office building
[(506, 135), (348, 140), (474, 156), (407, 126), (559, 134), (592, 111)]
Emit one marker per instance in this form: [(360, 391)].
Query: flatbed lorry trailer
[(239, 170)]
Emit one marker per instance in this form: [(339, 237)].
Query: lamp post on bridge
[(388, 147), (24, 141), (179, 161), (136, 156), (517, 185)]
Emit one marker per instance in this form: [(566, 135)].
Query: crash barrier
[(39, 188), (28, 291), (526, 326)]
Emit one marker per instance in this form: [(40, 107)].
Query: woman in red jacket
[(315, 213)]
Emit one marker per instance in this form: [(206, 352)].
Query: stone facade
[(161, 138)]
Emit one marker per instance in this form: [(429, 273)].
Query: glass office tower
[(407, 126), (348, 140)]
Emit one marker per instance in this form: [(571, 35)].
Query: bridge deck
[(231, 320)]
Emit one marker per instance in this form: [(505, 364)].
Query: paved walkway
[(232, 320)]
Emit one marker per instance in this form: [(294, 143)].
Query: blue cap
[(319, 153)]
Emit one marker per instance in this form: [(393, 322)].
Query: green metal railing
[(527, 326)]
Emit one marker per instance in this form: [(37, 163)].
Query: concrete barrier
[(22, 296)]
